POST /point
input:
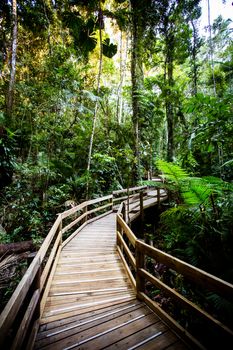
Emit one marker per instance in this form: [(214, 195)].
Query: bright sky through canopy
[(216, 8)]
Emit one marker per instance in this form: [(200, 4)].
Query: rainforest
[(101, 95)]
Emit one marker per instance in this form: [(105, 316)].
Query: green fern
[(173, 213), (222, 305), (217, 184), (195, 192), (172, 171)]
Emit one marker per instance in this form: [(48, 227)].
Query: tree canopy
[(94, 93)]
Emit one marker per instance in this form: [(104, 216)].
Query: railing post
[(112, 202), (121, 231), (140, 262), (141, 212), (158, 197), (118, 227), (60, 229), (37, 285), (124, 211), (128, 219), (85, 211)]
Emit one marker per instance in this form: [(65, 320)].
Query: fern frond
[(220, 303), (173, 213), (172, 171), (229, 162), (217, 184), (158, 184), (196, 193)]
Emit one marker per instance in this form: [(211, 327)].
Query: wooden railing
[(19, 320), (133, 200), (135, 253)]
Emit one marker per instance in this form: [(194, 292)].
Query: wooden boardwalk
[(92, 304), (148, 201), (89, 291)]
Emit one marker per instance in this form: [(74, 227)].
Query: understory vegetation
[(195, 226), (97, 96)]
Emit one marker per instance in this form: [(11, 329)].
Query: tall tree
[(211, 47), (101, 26), (123, 61), (194, 48), (171, 20), (10, 95), (139, 12)]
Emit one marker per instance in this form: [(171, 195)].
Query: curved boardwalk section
[(91, 302)]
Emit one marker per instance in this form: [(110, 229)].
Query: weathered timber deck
[(91, 303), (148, 201)]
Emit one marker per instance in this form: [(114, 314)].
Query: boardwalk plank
[(82, 335), (81, 326), (84, 297), (161, 342), (114, 335), (92, 304), (141, 336), (85, 316), (83, 309)]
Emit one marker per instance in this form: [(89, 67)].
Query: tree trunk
[(169, 100), (17, 247), (137, 83), (194, 59), (96, 107), (211, 49), (10, 95), (123, 60)]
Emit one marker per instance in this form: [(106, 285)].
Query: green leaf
[(109, 49)]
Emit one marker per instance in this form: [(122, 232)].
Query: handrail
[(133, 253), (23, 292), (19, 320)]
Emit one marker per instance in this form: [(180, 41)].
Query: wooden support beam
[(184, 302), (140, 262), (192, 273), (127, 250), (141, 212), (127, 230), (24, 325), (185, 335), (131, 277)]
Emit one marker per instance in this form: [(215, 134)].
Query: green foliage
[(6, 156), (172, 171), (34, 15), (196, 192), (44, 148), (109, 49), (81, 31), (198, 225), (211, 137)]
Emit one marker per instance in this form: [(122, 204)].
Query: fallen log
[(17, 247)]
